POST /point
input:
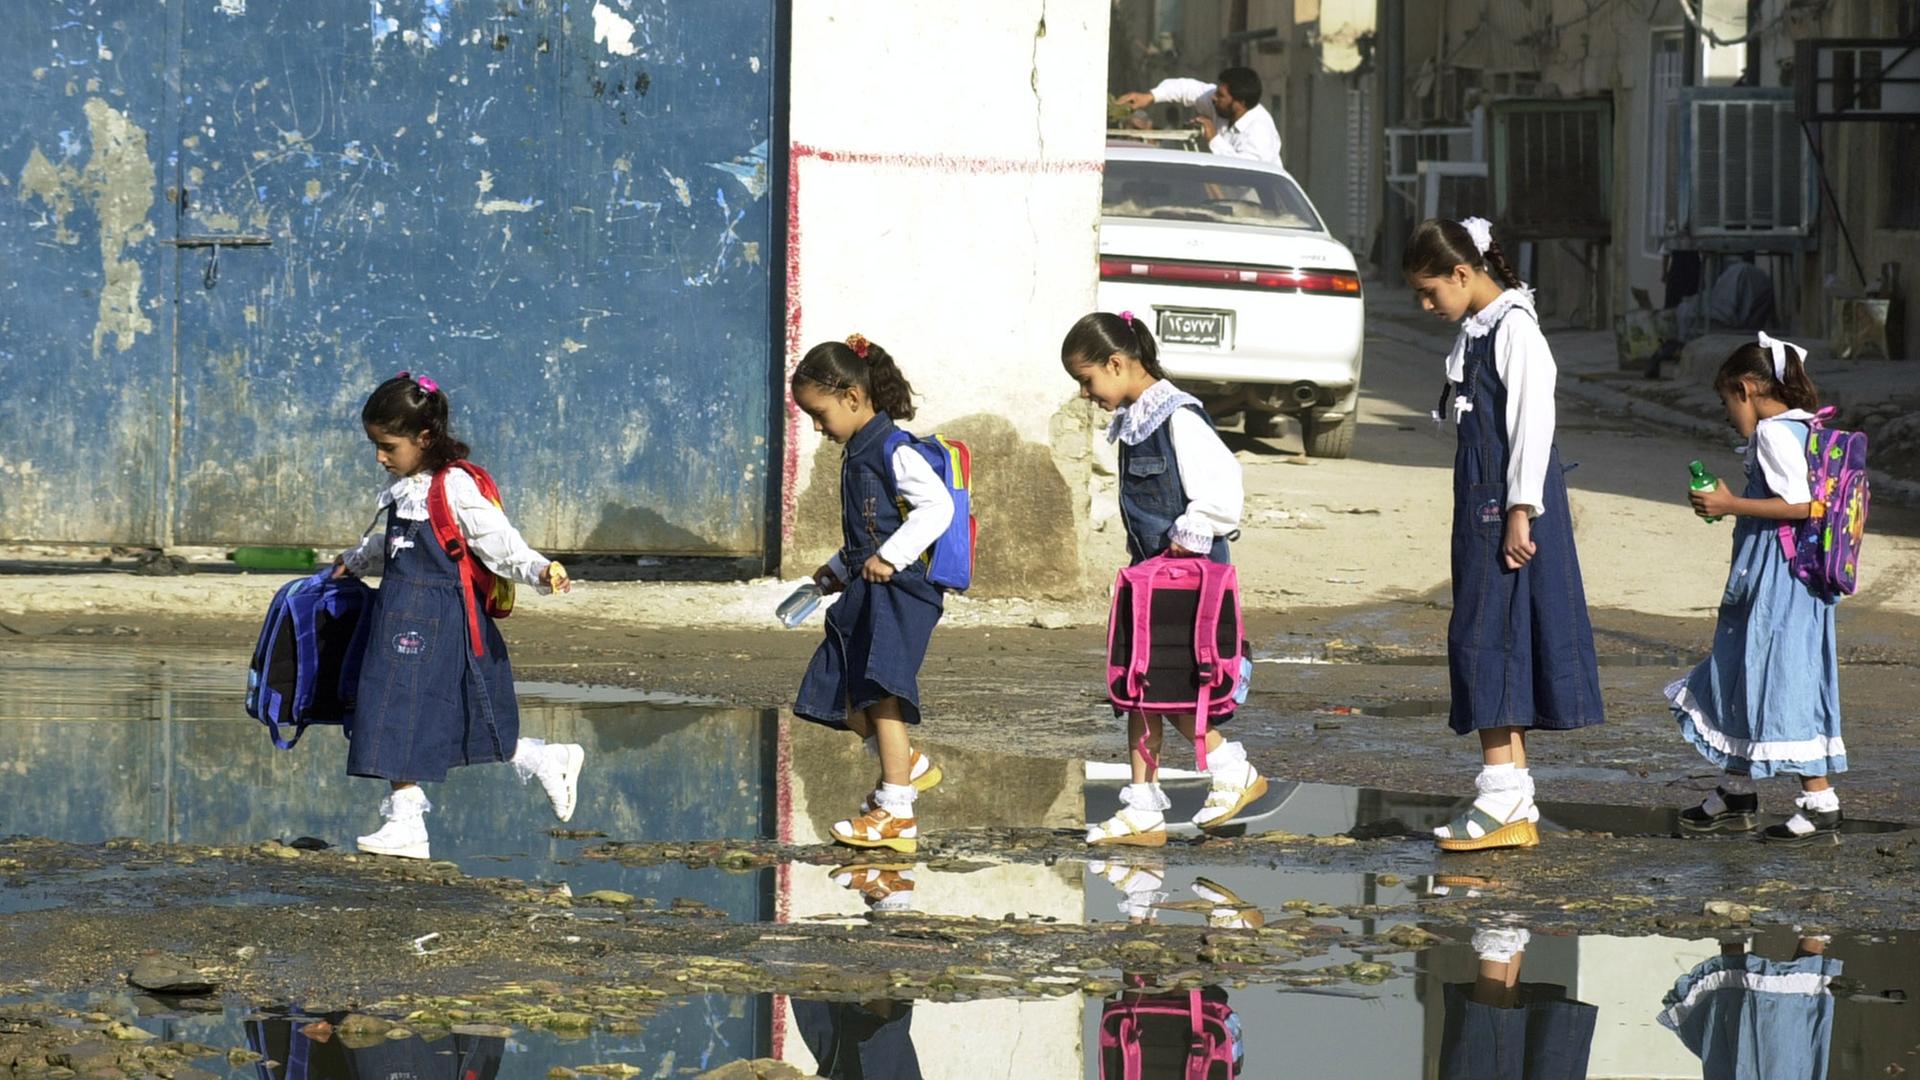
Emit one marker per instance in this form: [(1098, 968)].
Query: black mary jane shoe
[(1826, 830), (1739, 816)]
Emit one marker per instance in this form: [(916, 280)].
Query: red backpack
[(495, 593)]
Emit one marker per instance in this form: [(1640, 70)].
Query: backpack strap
[(1788, 531), (1206, 652), (1142, 656), (446, 529), (1199, 1055)]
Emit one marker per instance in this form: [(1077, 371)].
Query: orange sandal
[(878, 829)]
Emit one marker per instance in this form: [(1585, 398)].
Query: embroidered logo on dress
[(872, 516), (397, 543), (409, 643), (1490, 512)]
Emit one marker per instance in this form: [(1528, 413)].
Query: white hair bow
[(1779, 350), (1482, 232)]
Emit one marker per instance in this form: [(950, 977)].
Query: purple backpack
[(1824, 549)]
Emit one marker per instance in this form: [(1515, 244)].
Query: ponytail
[(1101, 334), (838, 367), (1753, 365), (1438, 245), (407, 406)]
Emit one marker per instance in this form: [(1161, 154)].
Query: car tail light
[(1224, 276)]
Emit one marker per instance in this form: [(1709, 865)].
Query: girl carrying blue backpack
[(436, 689)]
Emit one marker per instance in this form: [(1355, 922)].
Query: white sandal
[(1130, 828)]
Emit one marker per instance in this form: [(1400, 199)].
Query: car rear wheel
[(1328, 438), (1261, 425)]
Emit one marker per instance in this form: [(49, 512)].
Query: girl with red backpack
[(436, 689), (1767, 701)]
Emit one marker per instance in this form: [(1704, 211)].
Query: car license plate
[(1179, 327)]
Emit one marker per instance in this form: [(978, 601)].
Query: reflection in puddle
[(151, 747), (1612, 1007)]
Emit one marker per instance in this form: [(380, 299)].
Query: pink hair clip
[(404, 375), (1127, 317), (429, 385)]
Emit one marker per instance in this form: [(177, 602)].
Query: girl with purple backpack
[(1767, 701), (1520, 654), (1180, 494)]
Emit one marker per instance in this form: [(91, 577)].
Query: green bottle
[(273, 558), (1703, 481)]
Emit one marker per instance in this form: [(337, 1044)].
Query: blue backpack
[(306, 667), (950, 560)]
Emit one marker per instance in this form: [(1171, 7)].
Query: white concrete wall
[(946, 167)]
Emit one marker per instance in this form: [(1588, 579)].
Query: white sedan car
[(1257, 309)]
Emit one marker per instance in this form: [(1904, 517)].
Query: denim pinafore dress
[(1519, 645), (877, 634), (427, 704), (1152, 497)]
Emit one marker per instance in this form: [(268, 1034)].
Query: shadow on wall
[(1029, 534)]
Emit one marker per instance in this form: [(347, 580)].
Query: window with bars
[(1667, 75), (1552, 168)]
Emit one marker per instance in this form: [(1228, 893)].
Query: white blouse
[(929, 512), (1208, 471), (1781, 457), (488, 533), (1525, 366)]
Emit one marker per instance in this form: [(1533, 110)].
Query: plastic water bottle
[(1702, 481), (273, 558), (798, 605)]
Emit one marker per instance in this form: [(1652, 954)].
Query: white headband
[(1482, 232), (1779, 350)]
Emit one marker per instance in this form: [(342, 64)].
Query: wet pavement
[(688, 916)]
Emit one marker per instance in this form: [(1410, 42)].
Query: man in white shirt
[(1228, 111)]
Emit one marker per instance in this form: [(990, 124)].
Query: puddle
[(156, 747), (1602, 997)]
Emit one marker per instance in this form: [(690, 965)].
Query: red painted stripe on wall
[(943, 163)]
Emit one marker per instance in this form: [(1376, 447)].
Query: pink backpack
[(1824, 549), (1148, 1038), (1174, 641)]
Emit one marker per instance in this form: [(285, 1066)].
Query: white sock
[(897, 799), (1500, 945), (406, 802), (526, 757), (1146, 798), (1504, 793), (1526, 780)]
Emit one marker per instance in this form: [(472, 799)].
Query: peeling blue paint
[(610, 346)]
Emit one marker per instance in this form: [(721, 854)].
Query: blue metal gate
[(225, 221)]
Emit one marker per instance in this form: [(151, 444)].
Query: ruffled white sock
[(897, 799), (1825, 801), (1146, 798)]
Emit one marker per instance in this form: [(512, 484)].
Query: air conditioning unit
[(1407, 147), (1454, 190), (1746, 168), (1552, 168)]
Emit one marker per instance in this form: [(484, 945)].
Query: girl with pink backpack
[(1180, 496), (1767, 701)]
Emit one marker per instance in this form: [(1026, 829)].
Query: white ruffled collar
[(1481, 323), (1135, 423), (408, 495)]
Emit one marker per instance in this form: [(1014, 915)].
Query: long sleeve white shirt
[(1781, 457), (488, 533), (1209, 473), (1253, 136), (929, 512), (1525, 366)]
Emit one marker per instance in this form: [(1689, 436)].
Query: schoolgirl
[(429, 700), (1520, 653)]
